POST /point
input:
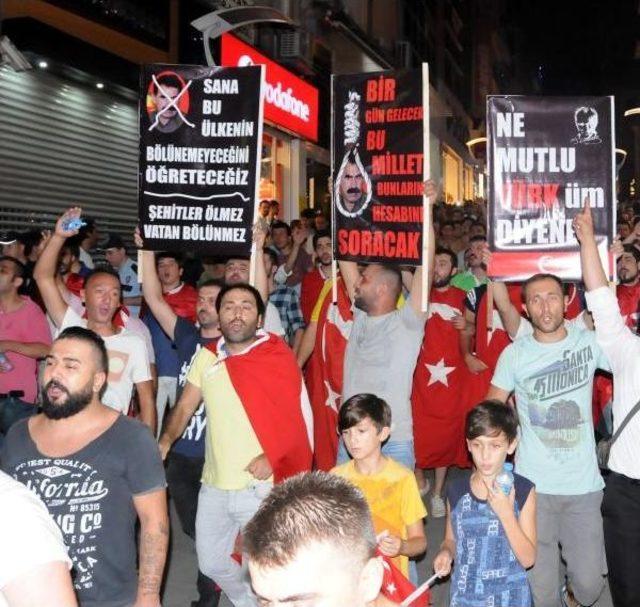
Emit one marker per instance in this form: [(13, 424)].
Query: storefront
[(291, 108), (66, 142)]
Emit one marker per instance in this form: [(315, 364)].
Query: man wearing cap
[(116, 256)]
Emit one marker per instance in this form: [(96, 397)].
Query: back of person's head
[(491, 418), (364, 406), (314, 507), (260, 306)]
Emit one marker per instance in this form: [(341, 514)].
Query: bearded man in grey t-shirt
[(385, 341)]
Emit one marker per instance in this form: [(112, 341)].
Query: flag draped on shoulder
[(324, 371), (269, 384)]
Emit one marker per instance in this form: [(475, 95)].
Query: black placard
[(200, 144)]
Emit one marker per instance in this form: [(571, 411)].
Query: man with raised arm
[(128, 358), (385, 341), (621, 504), (551, 373)]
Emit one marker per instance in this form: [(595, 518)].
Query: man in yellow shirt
[(389, 488), (259, 430)]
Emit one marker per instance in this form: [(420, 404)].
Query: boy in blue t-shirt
[(490, 535)]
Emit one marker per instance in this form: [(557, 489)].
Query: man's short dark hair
[(271, 254), (307, 508), (490, 418), (452, 256), (31, 239), (242, 287), (98, 270), (211, 282), (281, 225), (478, 238), (94, 340), (166, 80), (537, 278), (320, 234), (447, 223), (632, 250), (19, 268), (363, 406), (308, 213), (177, 257)]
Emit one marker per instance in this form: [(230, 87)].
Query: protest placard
[(379, 163), (200, 146), (546, 156)]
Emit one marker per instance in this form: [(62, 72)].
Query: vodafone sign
[(290, 102)]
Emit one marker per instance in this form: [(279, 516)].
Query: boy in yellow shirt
[(389, 488)]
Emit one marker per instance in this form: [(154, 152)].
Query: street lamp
[(212, 25)]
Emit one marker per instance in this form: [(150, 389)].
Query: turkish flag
[(438, 381), (397, 588), (324, 373)]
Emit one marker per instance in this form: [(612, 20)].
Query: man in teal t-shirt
[(551, 373)]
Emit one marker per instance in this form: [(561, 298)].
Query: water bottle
[(504, 480), (5, 363), (75, 223)]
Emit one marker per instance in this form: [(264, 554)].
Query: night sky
[(568, 47)]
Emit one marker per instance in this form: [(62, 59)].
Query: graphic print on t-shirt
[(118, 362), (555, 417), (198, 422), (72, 492)]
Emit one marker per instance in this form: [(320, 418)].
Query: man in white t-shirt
[(128, 358), (621, 504), (34, 565)]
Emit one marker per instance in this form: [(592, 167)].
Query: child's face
[(490, 452), (363, 439)]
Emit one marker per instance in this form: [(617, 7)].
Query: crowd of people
[(193, 384)]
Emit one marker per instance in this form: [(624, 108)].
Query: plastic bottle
[(5, 363), (504, 480), (75, 223)]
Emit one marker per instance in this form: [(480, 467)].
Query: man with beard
[(186, 460), (128, 356), (384, 343), (315, 279), (438, 407), (259, 430), (165, 118), (476, 275), (236, 271), (551, 373), (97, 472)]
